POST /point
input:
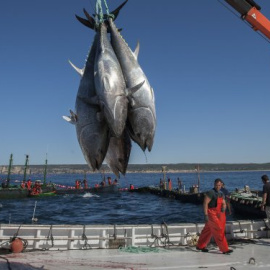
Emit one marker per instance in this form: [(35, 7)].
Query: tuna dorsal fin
[(85, 22), (137, 49), (132, 90), (80, 71)]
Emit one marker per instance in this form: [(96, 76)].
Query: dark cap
[(218, 180), (265, 177)]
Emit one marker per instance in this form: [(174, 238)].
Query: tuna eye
[(138, 135)]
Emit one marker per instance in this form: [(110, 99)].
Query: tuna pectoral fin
[(132, 90), (73, 117), (80, 71), (68, 119)]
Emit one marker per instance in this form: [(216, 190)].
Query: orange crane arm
[(250, 11), (258, 21)]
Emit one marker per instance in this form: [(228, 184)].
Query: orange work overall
[(215, 227)]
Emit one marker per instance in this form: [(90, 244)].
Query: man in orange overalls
[(109, 180), (29, 183), (169, 184), (214, 206)]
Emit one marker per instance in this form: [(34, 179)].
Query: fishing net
[(141, 249)]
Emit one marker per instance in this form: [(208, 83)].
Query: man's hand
[(206, 218)]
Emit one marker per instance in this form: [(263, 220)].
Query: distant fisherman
[(77, 184), (214, 205), (169, 184), (179, 184), (29, 183), (23, 184), (161, 184), (266, 196), (109, 180), (85, 185)]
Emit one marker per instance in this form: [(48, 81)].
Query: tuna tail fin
[(86, 22), (89, 18), (79, 70), (91, 23), (116, 11)]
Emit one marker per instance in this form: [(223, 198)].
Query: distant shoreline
[(140, 168)]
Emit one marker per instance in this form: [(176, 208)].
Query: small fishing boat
[(247, 203), (185, 197), (9, 191), (192, 196), (42, 194)]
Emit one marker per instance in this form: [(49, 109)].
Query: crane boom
[(250, 12)]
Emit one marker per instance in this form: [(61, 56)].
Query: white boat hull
[(69, 237)]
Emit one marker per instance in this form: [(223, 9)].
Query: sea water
[(120, 207)]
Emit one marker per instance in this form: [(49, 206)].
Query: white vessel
[(134, 247)]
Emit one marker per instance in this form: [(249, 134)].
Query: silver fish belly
[(110, 84), (92, 133), (142, 112)]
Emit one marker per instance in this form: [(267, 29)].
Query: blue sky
[(209, 71)]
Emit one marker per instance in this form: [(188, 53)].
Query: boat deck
[(246, 255)]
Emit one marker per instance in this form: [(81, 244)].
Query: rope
[(99, 12), (107, 9), (99, 17), (167, 238), (84, 237), (16, 234), (50, 236)]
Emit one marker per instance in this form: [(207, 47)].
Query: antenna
[(164, 169), (33, 218), (9, 168), (25, 167), (45, 170)]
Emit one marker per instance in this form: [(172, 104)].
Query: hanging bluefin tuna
[(115, 100), (92, 130)]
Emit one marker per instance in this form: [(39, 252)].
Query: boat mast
[(45, 171), (25, 167), (9, 168), (198, 172), (164, 168)]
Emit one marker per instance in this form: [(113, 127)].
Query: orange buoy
[(16, 245)]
